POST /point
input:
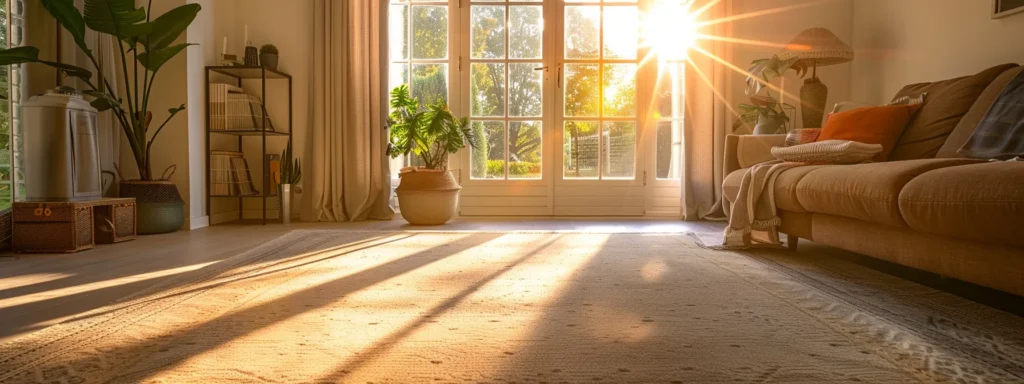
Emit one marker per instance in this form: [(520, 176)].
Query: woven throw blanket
[(1001, 134), (753, 219)]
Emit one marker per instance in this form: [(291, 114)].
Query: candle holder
[(229, 60), (252, 56)]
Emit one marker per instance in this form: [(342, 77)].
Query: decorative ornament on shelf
[(252, 55), (225, 58), (813, 48)]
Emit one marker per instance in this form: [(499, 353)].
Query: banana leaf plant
[(146, 44), (764, 71), (430, 133)]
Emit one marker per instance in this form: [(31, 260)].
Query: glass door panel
[(599, 96), (506, 89)]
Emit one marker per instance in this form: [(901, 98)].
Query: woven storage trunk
[(114, 221), (63, 227)]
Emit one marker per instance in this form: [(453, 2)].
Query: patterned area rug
[(394, 307)]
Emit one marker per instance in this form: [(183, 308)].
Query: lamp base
[(813, 96)]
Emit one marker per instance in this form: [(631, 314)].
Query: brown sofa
[(928, 207)]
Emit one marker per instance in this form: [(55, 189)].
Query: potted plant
[(146, 44), (268, 56), (291, 174), (427, 195), (765, 112)]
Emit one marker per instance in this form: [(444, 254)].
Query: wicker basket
[(160, 207), (63, 227), (114, 222)]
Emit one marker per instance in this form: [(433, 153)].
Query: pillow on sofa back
[(974, 116), (948, 101), (872, 125), (1000, 135)]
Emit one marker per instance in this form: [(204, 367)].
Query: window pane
[(621, 32), (430, 32), (582, 32), (618, 150), (525, 89), (487, 88), (670, 137), (487, 160), (526, 32), (398, 32), (524, 150), (620, 89), (398, 74), (582, 90), (487, 32), (668, 100), (430, 82), (580, 150)]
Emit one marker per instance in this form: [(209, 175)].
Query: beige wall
[(793, 17), (908, 41)]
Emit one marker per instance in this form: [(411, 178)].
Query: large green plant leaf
[(21, 55), (102, 101), (172, 24), (155, 59), (69, 17), (116, 17)]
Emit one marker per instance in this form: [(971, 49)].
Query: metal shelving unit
[(240, 73)]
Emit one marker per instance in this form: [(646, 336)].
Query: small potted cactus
[(268, 56)]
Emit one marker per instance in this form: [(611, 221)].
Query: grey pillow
[(1000, 135)]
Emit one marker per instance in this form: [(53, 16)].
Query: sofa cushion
[(785, 186), (946, 104), (970, 121), (868, 192), (982, 202)]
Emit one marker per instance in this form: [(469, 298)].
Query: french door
[(556, 92)]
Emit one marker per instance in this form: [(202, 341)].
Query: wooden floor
[(40, 290)]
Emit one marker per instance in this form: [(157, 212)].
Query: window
[(11, 24), (418, 40)]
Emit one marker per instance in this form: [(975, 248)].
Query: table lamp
[(816, 47)]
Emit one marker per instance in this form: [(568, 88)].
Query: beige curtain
[(705, 121), (350, 175)]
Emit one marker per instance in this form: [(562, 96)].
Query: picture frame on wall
[(1004, 8)]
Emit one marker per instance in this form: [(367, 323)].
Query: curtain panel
[(350, 177), (705, 118)]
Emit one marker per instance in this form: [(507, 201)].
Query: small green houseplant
[(766, 112), (291, 174), (268, 56), (145, 43), (427, 195)]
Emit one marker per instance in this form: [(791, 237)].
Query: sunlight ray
[(700, 11), (764, 12), (760, 43), (714, 89), (744, 72), (98, 285)]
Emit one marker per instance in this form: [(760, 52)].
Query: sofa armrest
[(742, 151)]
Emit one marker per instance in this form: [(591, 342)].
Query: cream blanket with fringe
[(753, 219)]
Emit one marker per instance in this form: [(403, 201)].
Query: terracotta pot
[(427, 196)]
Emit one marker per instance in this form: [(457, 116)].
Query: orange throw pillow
[(871, 125)]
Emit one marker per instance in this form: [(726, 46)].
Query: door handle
[(544, 68), (559, 82)]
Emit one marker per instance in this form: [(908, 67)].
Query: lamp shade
[(818, 46)]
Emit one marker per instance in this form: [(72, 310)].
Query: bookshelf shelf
[(240, 73)]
